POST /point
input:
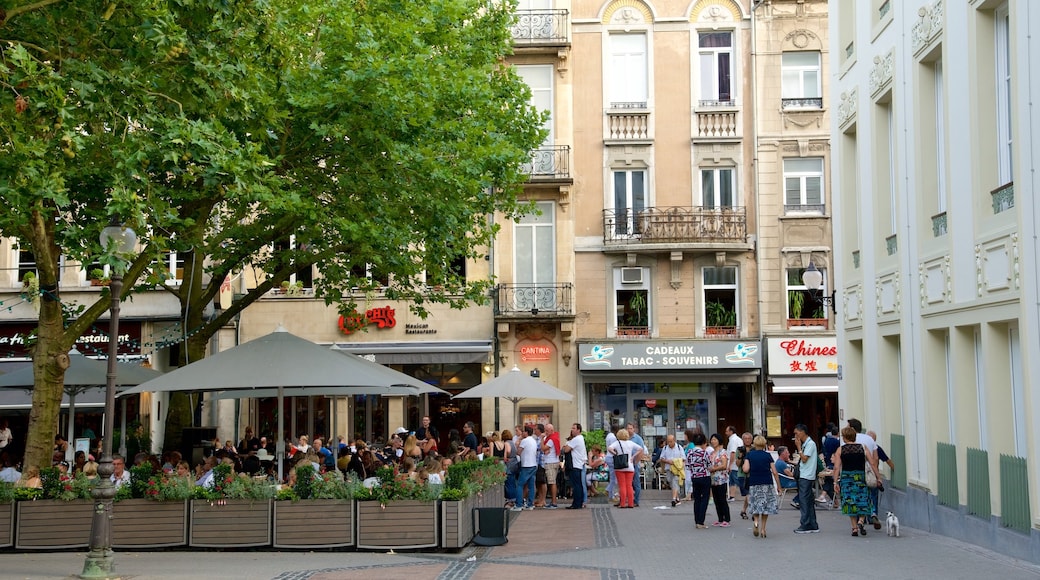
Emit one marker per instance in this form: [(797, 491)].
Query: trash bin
[(492, 525)]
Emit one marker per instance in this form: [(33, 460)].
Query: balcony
[(675, 225), (540, 28), (633, 332), (534, 300), (809, 103), (628, 122), (1003, 198), (549, 163), (715, 120)]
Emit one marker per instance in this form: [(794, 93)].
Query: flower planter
[(47, 524), (397, 524), (6, 524), (143, 523), (230, 523), (457, 522), (314, 523)]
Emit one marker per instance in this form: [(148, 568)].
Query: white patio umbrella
[(279, 362), (515, 386)]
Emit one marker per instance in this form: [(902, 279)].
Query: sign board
[(803, 356), (670, 355)]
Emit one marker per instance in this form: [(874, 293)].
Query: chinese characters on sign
[(798, 356), (381, 317)]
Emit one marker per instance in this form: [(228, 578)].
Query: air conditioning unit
[(631, 275)]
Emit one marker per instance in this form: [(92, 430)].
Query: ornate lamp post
[(813, 279), (100, 562)]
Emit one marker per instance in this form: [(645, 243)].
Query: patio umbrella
[(280, 361), (515, 386), (84, 373)]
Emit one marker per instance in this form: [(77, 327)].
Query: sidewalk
[(652, 541)]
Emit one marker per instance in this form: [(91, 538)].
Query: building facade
[(936, 257)]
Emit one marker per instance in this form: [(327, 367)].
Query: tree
[(382, 132)]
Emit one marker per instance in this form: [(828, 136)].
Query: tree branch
[(48, 55), (19, 10)]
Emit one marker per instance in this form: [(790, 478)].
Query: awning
[(11, 399), (804, 384), (437, 352)]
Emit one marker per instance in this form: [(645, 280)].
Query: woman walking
[(624, 474), (763, 483), (698, 466), (719, 480), (850, 480)]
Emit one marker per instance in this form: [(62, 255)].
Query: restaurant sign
[(714, 354), (803, 356), (17, 338), (382, 317)]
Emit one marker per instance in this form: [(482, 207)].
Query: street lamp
[(813, 279), (120, 241)]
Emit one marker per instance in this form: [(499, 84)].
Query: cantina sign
[(381, 317)]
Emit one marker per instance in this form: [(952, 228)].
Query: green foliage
[(286, 493), (27, 493), (449, 494), (228, 485), (472, 477), (50, 480), (394, 486), (6, 492), (171, 488), (595, 437), (77, 487), (140, 476), (718, 314), (304, 487), (795, 302)]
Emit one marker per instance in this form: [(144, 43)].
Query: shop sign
[(15, 339), (381, 317), (803, 356), (715, 354), (535, 352)]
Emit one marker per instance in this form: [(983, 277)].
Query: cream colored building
[(936, 256)]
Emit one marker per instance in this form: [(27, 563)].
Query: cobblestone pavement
[(599, 543)]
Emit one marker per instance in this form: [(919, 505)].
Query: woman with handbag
[(698, 466), (624, 455), (851, 463), (763, 484)]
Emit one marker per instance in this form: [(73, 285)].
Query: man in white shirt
[(528, 465), (669, 453), (579, 458), (733, 442), (120, 475)]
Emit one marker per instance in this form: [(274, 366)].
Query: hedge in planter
[(397, 514), (328, 494), (470, 485)]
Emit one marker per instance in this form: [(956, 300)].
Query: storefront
[(669, 386), (802, 385)]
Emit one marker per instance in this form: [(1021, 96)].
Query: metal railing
[(892, 244), (549, 163), (1003, 197), (939, 225), (534, 299), (897, 452), (1014, 493), (540, 27), (978, 484), (805, 208), (806, 103), (948, 491), (675, 224)]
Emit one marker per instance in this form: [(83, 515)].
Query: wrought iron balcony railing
[(540, 27), (675, 225), (1003, 198), (807, 103), (534, 299), (549, 163)]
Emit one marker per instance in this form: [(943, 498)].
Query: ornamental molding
[(928, 28), (802, 38), (881, 74), (848, 105)]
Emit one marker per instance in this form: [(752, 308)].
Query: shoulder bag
[(620, 458)]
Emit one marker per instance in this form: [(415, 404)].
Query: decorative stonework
[(997, 265), (802, 119), (881, 74), (929, 26), (848, 105), (802, 38), (535, 331), (715, 12), (851, 307), (936, 284), (627, 13), (888, 294)]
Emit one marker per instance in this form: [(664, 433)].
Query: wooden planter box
[(314, 523), (143, 523), (47, 524), (6, 524), (457, 524), (230, 523), (397, 524)]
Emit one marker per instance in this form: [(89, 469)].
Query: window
[(720, 300), (717, 188), (451, 267), (800, 80), (632, 301), (1004, 118), (716, 52), (168, 268), (372, 276), (305, 275), (540, 80), (629, 201), (534, 259), (803, 304), (26, 263), (628, 71), (803, 185)]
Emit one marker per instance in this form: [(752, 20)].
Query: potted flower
[(235, 512), (156, 513), (98, 278), (397, 513), (328, 494), (470, 485), (62, 498), (720, 319)]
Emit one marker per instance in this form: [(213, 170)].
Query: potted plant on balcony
[(397, 513), (328, 494), (98, 278), (635, 317), (796, 305), (720, 320)]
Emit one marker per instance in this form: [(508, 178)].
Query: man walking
[(528, 450), (806, 478), (733, 442), (551, 461), (579, 457), (669, 454)]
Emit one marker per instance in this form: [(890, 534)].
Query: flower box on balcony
[(816, 323), (721, 331), (634, 331)]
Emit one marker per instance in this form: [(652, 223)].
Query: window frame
[(1005, 134), (802, 100), (711, 96), (621, 308), (795, 273), (717, 193), (713, 292), (622, 92), (805, 207), (630, 226)]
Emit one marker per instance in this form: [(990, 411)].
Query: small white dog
[(892, 523)]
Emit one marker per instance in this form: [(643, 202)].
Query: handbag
[(513, 465), (621, 459), (872, 481)]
